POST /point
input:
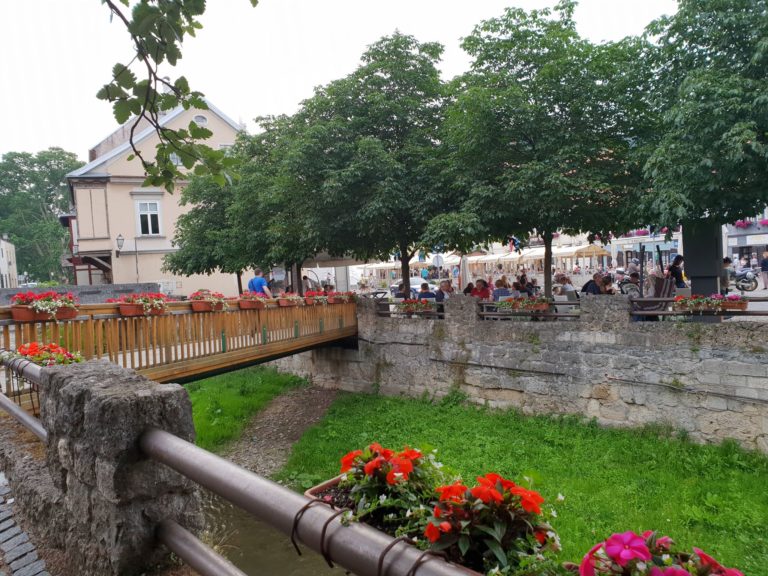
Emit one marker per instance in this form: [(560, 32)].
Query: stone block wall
[(86, 294), (708, 379), (93, 494)]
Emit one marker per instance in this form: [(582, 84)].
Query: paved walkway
[(18, 552)]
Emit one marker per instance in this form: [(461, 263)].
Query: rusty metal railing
[(33, 373), (357, 547)]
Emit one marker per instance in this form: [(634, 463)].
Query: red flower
[(348, 461), (410, 453), (437, 512), (452, 493), (486, 491), (373, 465), (376, 448), (445, 527), (541, 537), (432, 532), (530, 501), (401, 468), (496, 479)]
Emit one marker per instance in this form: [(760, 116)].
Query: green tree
[(157, 29), (711, 159), (541, 133), (365, 159), (33, 193)]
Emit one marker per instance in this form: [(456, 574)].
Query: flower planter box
[(138, 310), (310, 300), (251, 304), (538, 307), (337, 300), (316, 491), (203, 306), (22, 313), (734, 305), (285, 302)]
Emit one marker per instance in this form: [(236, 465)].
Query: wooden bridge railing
[(182, 343)]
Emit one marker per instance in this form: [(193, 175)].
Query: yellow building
[(111, 207)]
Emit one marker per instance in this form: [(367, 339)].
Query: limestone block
[(614, 411)]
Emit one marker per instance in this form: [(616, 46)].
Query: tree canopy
[(33, 193)]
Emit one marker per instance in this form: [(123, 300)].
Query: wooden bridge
[(182, 344)]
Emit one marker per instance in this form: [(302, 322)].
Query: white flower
[(553, 512), (666, 558), (560, 497), (641, 566), (343, 477), (408, 513), (383, 498)]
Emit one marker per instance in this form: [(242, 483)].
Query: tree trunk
[(240, 282), (405, 271), (547, 264)]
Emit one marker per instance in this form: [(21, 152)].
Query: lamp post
[(120, 241)]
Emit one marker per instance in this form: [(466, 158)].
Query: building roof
[(84, 171)]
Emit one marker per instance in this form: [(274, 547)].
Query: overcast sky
[(250, 62)]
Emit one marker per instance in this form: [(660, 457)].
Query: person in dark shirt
[(764, 270), (425, 293), (400, 293), (444, 292), (469, 289), (593, 286), (676, 271)]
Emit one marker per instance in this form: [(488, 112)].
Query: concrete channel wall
[(710, 380), (89, 491)]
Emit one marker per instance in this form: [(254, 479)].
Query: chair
[(662, 288)]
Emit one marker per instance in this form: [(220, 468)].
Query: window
[(200, 120), (149, 218)]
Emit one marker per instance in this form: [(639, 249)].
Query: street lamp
[(119, 241)]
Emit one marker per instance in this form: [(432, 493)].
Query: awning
[(591, 251)]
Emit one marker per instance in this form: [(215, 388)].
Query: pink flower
[(663, 542), (622, 548), (587, 566), (707, 560)]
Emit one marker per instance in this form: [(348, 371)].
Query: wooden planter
[(285, 302), (24, 313), (205, 306), (536, 308), (309, 300), (251, 304), (138, 310), (734, 305), (337, 300)]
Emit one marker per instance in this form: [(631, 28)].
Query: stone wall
[(86, 294), (708, 379), (90, 492)]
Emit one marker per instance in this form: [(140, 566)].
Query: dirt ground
[(266, 442)]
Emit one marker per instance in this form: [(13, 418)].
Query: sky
[(56, 54)]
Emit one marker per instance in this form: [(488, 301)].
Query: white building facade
[(9, 275)]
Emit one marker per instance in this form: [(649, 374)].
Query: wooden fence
[(181, 343)]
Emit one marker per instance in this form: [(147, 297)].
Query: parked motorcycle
[(746, 280)]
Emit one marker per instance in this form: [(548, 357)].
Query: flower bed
[(289, 299), (340, 297), (494, 525), (141, 304), (31, 307), (311, 298), (206, 301), (630, 554)]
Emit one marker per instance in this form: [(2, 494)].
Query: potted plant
[(252, 301), (415, 306), (289, 299), (47, 354), (493, 525), (340, 297), (649, 554), (698, 303), (30, 307), (206, 301), (141, 304), (732, 302), (311, 298)]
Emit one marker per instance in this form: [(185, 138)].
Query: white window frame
[(149, 213)]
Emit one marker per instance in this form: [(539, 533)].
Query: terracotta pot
[(138, 310), (205, 306), (538, 307), (734, 305), (251, 304), (23, 313), (66, 313), (336, 300), (286, 303), (309, 300)]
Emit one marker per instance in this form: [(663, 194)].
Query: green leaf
[(122, 111), (463, 544), (495, 547)]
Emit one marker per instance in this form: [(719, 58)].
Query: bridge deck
[(182, 344)]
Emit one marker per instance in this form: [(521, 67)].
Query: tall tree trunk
[(405, 270), (547, 264), (239, 282)]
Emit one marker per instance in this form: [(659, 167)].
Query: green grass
[(713, 497), (223, 405)]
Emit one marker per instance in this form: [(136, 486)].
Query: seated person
[(606, 286), (444, 292), (501, 290), (481, 290), (328, 288), (400, 292), (469, 289), (593, 286), (425, 293)]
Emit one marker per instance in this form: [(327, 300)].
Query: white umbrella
[(464, 277)]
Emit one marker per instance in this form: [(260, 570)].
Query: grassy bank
[(223, 405), (713, 497)]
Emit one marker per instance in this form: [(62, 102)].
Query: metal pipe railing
[(197, 555), (356, 547), (33, 373)]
